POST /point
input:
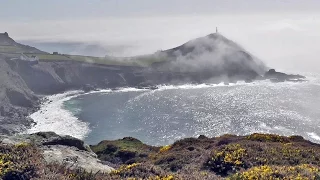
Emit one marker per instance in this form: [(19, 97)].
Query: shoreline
[(51, 117), (75, 125)]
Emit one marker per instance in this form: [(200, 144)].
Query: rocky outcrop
[(64, 150), (275, 76)]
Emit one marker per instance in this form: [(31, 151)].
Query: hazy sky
[(283, 33)]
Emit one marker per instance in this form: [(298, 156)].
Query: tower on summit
[(217, 30)]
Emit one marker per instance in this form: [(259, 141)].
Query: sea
[(169, 113)]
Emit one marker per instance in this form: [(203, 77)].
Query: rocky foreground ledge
[(256, 156)]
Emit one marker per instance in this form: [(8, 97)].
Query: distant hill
[(213, 51), (8, 45), (212, 56)]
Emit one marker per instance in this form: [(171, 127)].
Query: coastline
[(51, 115), (64, 122)]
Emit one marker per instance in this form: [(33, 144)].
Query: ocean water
[(160, 117)]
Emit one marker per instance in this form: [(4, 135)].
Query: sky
[(285, 34)]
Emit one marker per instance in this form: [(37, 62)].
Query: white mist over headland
[(283, 34)]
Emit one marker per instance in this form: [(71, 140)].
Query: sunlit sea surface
[(162, 116)]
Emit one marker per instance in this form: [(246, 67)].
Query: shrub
[(6, 164), (299, 172), (227, 160), (19, 160), (267, 138)]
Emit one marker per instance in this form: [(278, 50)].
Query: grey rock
[(64, 150), (73, 158)]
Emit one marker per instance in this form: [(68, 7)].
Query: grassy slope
[(142, 61), (10, 49), (257, 156)]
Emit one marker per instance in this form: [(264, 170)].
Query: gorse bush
[(300, 172), (267, 138), (227, 160), (6, 164), (19, 161)]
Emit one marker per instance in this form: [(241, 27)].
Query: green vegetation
[(267, 138), (137, 61), (228, 156), (228, 159), (257, 156), (10, 49), (103, 60), (126, 150), (50, 57), (18, 161)]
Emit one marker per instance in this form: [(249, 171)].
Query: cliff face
[(16, 99), (55, 77), (21, 84)]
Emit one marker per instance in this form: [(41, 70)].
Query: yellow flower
[(165, 148)]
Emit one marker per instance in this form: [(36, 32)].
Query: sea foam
[(53, 117)]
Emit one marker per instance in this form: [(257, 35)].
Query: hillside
[(256, 156), (213, 56), (8, 45)]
